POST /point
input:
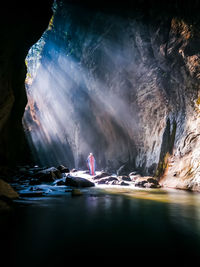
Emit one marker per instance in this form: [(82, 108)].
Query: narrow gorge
[(120, 82)]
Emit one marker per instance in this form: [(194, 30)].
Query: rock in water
[(78, 182), (148, 182), (101, 175), (107, 180), (48, 175), (63, 169)]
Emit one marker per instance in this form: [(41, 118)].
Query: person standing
[(91, 163)]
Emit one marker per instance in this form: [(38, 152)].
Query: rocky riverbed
[(35, 181)]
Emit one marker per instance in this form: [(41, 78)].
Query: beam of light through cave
[(78, 89)]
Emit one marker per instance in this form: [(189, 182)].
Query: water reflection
[(105, 222)]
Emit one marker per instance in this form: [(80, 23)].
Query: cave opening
[(75, 76)]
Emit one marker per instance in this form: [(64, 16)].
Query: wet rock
[(124, 178), (124, 183), (115, 182), (152, 180), (101, 175), (148, 182), (107, 180), (63, 169), (78, 181), (48, 175), (60, 182), (151, 185)]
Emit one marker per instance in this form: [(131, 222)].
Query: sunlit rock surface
[(124, 87)]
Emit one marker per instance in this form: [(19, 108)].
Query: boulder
[(152, 180), (78, 181), (60, 182), (48, 175), (147, 182), (107, 180), (140, 182), (101, 175), (124, 178), (123, 183), (63, 169), (151, 185)]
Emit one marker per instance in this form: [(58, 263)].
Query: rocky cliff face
[(131, 82), (20, 27), (126, 81)]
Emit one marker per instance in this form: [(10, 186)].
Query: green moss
[(162, 166)]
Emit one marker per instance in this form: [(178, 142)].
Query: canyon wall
[(132, 80), (21, 25)]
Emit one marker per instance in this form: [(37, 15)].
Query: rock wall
[(141, 87), (135, 100), (21, 25)]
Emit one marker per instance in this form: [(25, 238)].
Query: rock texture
[(7, 194), (135, 75), (134, 99), (21, 26)]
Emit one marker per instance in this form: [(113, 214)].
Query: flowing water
[(116, 223)]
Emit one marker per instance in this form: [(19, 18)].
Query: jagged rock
[(78, 182), (63, 169)]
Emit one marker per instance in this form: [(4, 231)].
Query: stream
[(105, 222)]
